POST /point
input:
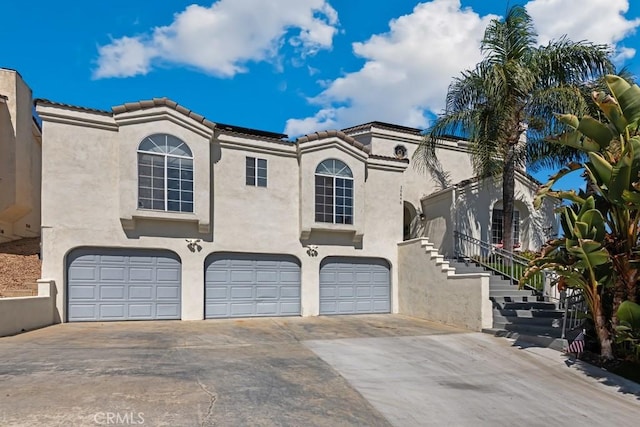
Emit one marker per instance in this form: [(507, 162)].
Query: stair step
[(545, 331), (510, 293), (501, 304), (529, 313), (523, 339), (504, 287), (527, 321)]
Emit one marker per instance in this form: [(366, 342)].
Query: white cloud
[(223, 38), (598, 21), (407, 70)]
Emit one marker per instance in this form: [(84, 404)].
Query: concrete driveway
[(330, 371)]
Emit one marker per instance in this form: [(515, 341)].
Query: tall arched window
[(334, 192), (165, 174), (497, 225)]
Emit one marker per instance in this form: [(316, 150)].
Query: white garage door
[(252, 285), (122, 284), (354, 286)]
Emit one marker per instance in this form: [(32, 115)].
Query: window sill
[(129, 223), (335, 228)]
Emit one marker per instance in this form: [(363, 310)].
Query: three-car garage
[(105, 284)]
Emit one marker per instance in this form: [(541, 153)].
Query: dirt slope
[(19, 266)]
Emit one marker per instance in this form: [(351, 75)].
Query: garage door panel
[(167, 292), (83, 273), (80, 292), (84, 311), (141, 311), (290, 292), (381, 306), (365, 306), (139, 274), (217, 293), (217, 310), (112, 292), (111, 311), (354, 285), (113, 274), (217, 276), (241, 292), (122, 284), (266, 308), (167, 311), (267, 292), (346, 292), (141, 292), (167, 275), (381, 291), (364, 291), (252, 285), (266, 276), (242, 309), (113, 259), (347, 307), (242, 276), (144, 260)]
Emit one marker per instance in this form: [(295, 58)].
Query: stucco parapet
[(382, 125), (61, 113), (387, 163), (438, 194), (317, 136), (238, 141)]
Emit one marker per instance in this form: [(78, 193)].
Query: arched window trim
[(165, 174), (334, 193)]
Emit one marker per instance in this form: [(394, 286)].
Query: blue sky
[(292, 66)]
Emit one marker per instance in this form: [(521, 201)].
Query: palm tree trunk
[(508, 196), (604, 336)]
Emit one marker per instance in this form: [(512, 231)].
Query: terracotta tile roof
[(166, 102), (73, 107), (383, 125), (333, 134), (395, 159)]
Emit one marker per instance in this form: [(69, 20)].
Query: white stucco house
[(151, 211)]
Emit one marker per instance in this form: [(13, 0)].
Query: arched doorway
[(408, 221)]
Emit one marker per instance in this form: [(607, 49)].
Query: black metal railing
[(492, 257), (575, 310)]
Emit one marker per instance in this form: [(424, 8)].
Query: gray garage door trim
[(350, 285), (251, 285), (105, 284)]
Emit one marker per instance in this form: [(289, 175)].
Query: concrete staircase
[(519, 314)]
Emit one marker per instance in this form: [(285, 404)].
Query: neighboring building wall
[(90, 192), (20, 160), (427, 289)]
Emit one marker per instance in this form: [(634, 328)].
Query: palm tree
[(516, 88)]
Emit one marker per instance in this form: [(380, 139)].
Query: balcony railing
[(492, 257)]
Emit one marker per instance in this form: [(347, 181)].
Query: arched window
[(334, 192), (165, 174)]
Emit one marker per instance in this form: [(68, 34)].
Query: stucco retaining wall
[(26, 313), (428, 288)]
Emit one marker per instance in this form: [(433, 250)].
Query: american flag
[(577, 345)]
